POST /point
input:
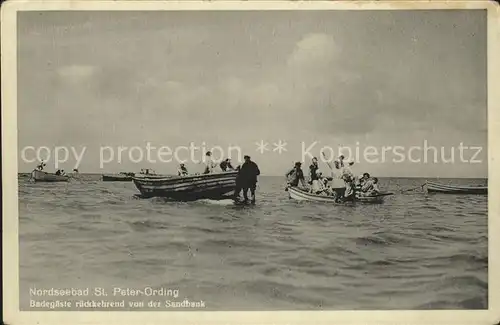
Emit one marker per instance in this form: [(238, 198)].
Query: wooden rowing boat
[(41, 176), (187, 188), (300, 194), (377, 198), (121, 177), (433, 187)]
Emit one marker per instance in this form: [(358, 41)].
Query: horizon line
[(271, 175)]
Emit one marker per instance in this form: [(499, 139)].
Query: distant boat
[(433, 187), (304, 195), (187, 188), (121, 177), (41, 176)]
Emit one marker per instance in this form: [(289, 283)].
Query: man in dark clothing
[(313, 170), (339, 164), (226, 165), (182, 171), (41, 166), (247, 179), (296, 175)]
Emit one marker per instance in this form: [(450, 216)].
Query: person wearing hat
[(182, 171), (316, 185), (363, 178), (339, 163), (247, 179), (313, 170), (296, 175), (41, 166), (320, 186), (370, 186), (225, 165)]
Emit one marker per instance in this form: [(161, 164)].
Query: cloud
[(314, 50), (119, 80), (76, 73)]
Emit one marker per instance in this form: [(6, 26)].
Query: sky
[(308, 78)]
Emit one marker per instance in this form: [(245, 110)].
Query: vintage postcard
[(250, 162)]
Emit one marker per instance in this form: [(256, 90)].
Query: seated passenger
[(296, 176), (226, 165), (322, 185), (209, 163), (182, 171), (370, 187), (362, 180), (41, 166)]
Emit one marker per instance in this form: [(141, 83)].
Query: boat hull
[(41, 176), (370, 198), (188, 188), (303, 195), (455, 189)]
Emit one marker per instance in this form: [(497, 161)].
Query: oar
[(382, 194), (330, 166), (414, 188)]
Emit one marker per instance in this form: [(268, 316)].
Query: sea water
[(414, 251)]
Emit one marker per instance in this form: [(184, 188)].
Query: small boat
[(187, 188), (433, 187), (121, 177), (41, 176), (304, 195), (300, 194), (372, 198)]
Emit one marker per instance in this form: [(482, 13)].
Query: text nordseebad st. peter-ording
[(121, 292)]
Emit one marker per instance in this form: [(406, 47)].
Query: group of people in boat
[(246, 180), (210, 166), (320, 185), (41, 166), (59, 172)]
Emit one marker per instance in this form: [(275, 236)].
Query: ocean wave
[(474, 303), (382, 240), (463, 281), (147, 225)]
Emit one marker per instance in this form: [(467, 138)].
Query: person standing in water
[(247, 180)]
